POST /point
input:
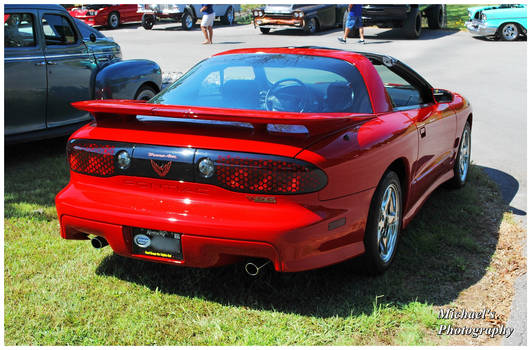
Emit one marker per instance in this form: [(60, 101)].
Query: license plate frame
[(156, 243)]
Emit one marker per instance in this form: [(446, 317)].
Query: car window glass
[(306, 75), (19, 30), (58, 30), (401, 92), (86, 30), (239, 73), (211, 85), (288, 83)]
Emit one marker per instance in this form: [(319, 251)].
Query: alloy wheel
[(388, 222)]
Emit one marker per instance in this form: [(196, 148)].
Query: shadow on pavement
[(508, 187), (427, 34)]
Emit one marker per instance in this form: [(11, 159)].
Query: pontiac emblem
[(161, 170)]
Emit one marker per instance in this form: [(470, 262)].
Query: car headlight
[(298, 14), (260, 13), (255, 13)]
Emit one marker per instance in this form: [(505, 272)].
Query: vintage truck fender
[(125, 79)]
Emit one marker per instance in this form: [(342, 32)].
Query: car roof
[(35, 6), (353, 56)]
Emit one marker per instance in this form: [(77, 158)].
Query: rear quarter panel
[(356, 158)]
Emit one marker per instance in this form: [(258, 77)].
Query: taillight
[(235, 171), (91, 158), (264, 174)]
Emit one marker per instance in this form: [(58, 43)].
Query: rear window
[(289, 83)]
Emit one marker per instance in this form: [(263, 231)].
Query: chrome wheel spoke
[(388, 223)]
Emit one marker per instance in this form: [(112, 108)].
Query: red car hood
[(117, 120)]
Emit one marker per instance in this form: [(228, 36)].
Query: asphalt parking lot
[(491, 74)]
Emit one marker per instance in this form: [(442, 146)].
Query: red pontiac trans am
[(106, 15), (301, 156)]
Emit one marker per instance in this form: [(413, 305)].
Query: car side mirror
[(442, 96), (92, 37)]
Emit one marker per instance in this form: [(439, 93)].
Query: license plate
[(162, 244)]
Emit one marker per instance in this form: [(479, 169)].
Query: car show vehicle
[(505, 22), (406, 17), (51, 60), (309, 18), (186, 14), (110, 16), (299, 156)]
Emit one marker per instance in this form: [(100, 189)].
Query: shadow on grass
[(446, 249), (34, 173)]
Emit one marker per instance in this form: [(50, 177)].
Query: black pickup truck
[(407, 17)]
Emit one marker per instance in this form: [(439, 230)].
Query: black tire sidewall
[(456, 181), (517, 32), (117, 18), (144, 88), (373, 260), (183, 21)]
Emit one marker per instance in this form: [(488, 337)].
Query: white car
[(186, 14)]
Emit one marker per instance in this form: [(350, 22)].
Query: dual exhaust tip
[(251, 268), (99, 242)]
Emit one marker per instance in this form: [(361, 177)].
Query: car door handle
[(423, 131), (51, 63), (40, 63)]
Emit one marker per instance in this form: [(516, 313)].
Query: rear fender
[(122, 79)]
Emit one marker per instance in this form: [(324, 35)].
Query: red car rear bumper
[(217, 226)]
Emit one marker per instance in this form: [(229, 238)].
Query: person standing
[(207, 22), (354, 21)]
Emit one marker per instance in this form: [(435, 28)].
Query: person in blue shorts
[(354, 20)]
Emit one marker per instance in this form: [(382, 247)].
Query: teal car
[(505, 22)]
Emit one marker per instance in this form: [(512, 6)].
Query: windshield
[(274, 82)]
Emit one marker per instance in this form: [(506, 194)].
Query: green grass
[(457, 15), (245, 16), (59, 292)]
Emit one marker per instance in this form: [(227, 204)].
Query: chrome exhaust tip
[(99, 242), (253, 270)]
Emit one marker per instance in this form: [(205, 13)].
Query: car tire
[(413, 25), (311, 26), (228, 19), (436, 17), (265, 30), (509, 32), (462, 160), (113, 21), (145, 93), (384, 224), (148, 21), (187, 21)]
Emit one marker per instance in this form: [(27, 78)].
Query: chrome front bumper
[(479, 28)]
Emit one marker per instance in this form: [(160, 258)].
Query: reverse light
[(123, 159), (206, 167)]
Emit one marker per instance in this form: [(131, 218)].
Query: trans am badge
[(161, 170)]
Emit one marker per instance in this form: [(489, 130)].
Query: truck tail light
[(91, 158)]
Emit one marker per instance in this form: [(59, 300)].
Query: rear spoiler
[(125, 110)]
